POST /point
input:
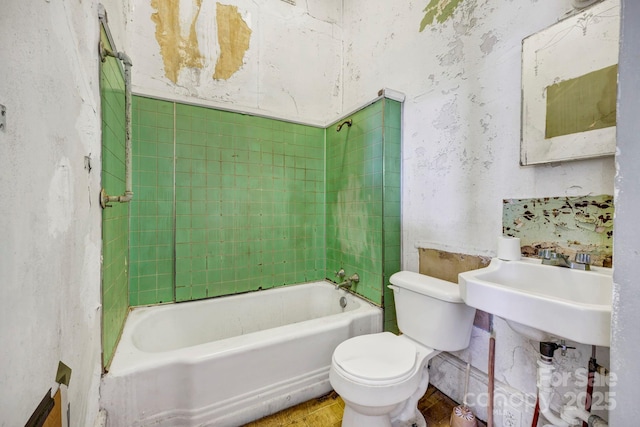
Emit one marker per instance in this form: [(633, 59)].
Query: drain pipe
[(105, 199), (545, 390), (569, 415)]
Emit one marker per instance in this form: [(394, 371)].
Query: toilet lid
[(376, 358)]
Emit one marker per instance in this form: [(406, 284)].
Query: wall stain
[(233, 37), (177, 50), (439, 11)]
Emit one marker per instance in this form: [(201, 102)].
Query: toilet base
[(418, 421), (351, 418)]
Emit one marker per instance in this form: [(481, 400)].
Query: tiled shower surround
[(363, 201), (226, 203)]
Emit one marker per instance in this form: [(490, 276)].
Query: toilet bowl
[(377, 375), (382, 376)]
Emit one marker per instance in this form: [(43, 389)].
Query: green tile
[(115, 226), (164, 295), (147, 297)]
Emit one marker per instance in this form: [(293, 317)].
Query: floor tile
[(326, 411)]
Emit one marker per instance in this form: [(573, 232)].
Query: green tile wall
[(249, 203), (363, 200), (391, 205), (354, 200), (152, 238), (115, 225)]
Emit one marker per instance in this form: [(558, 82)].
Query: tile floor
[(326, 411)]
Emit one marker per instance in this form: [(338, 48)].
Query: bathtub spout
[(344, 285), (354, 278)]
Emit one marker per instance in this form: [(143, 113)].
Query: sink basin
[(565, 303)]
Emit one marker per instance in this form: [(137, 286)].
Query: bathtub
[(230, 360)]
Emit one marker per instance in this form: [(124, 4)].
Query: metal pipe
[(590, 379), (105, 199), (491, 374)]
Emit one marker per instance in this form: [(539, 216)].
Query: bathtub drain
[(343, 302)]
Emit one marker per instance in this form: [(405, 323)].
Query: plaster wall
[(291, 69), (50, 228)]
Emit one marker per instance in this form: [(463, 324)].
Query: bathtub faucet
[(354, 278)]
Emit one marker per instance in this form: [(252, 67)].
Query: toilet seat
[(376, 359)]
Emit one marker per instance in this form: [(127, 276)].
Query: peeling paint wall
[(178, 42), (438, 11), (567, 225), (272, 58), (462, 115), (461, 138), (233, 37)]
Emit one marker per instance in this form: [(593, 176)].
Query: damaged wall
[(459, 64), (462, 115), (567, 225), (269, 58)]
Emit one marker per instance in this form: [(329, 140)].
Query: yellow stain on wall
[(233, 37), (177, 51)]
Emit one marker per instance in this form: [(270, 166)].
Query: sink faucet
[(354, 278), (550, 257)]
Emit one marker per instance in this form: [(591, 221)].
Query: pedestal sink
[(562, 302)]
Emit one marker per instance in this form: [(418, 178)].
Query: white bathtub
[(227, 361)]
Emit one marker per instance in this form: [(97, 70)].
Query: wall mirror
[(569, 84)]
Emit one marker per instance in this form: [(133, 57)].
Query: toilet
[(382, 376)]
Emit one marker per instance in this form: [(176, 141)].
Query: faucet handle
[(340, 273), (583, 258), (546, 253)]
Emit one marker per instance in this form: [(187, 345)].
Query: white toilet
[(382, 376)]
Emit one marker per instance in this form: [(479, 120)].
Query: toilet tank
[(431, 311)]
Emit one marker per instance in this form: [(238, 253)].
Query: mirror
[(569, 84)]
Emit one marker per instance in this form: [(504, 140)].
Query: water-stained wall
[(271, 57)]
